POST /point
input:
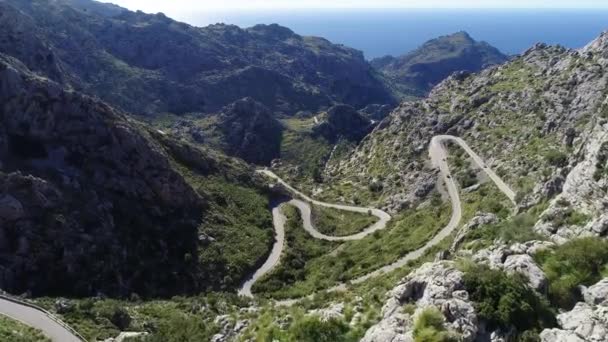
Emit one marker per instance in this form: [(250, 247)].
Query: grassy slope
[(13, 331), (336, 222)]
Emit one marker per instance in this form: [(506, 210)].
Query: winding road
[(438, 155), (51, 328)]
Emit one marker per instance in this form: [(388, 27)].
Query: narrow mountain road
[(37, 319), (305, 209), (438, 155), (278, 219)]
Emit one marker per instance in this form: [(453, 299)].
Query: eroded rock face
[(229, 328), (587, 321), (584, 191), (517, 258), (437, 285)]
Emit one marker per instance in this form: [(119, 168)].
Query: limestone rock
[(437, 285), (587, 321), (335, 311), (517, 258)]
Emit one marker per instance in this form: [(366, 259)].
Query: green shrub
[(120, 318), (15, 331), (556, 158), (182, 328), (312, 329), (506, 301), (577, 262), (429, 327), (570, 217)]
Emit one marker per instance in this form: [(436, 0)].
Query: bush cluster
[(505, 301), (577, 262)]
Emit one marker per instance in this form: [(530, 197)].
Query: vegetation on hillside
[(334, 222), (506, 301), (577, 262), (429, 327), (299, 250), (13, 331)]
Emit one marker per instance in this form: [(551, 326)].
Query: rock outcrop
[(438, 285), (586, 322), (517, 258), (250, 132), (343, 121), (584, 192)]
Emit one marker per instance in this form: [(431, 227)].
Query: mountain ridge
[(418, 71), (149, 63)]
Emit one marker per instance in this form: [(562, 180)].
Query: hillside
[(93, 202), (417, 72), (539, 121), (531, 115), (149, 64)]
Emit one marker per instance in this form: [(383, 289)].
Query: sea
[(379, 32)]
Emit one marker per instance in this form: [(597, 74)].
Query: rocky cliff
[(250, 132), (91, 201)]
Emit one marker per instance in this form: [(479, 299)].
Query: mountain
[(150, 64), (493, 188), (94, 202), (343, 121), (417, 72), (250, 132)]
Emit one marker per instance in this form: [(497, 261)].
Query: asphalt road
[(37, 319)]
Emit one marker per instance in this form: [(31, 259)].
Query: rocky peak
[(417, 72), (272, 31), (598, 45), (251, 132)]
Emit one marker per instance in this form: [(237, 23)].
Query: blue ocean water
[(381, 32)]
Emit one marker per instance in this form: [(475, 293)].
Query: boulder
[(438, 285), (587, 321), (10, 208), (597, 294), (524, 264)]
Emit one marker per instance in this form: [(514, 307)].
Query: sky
[(180, 7)]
